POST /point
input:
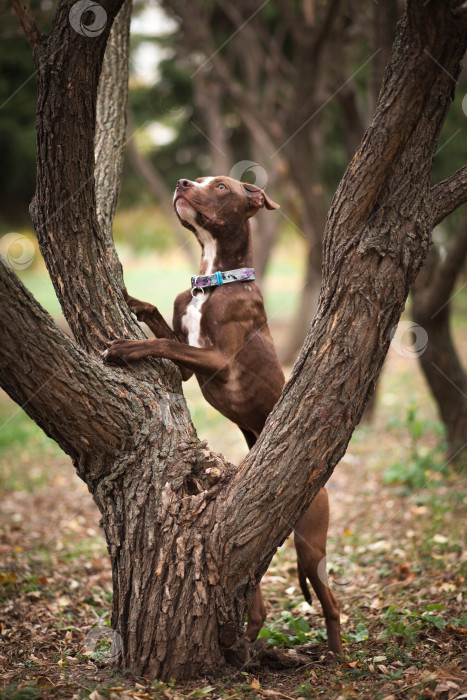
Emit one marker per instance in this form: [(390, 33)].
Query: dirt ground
[(395, 556)]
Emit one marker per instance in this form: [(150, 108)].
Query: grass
[(159, 276)]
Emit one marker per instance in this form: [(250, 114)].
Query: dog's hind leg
[(257, 610), (256, 615), (310, 542), (249, 437)]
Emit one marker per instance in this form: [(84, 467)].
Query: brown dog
[(221, 334)]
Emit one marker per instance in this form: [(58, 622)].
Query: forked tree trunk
[(189, 534)]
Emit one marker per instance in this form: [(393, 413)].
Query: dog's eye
[(222, 186)]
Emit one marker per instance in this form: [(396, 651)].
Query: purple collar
[(218, 278)]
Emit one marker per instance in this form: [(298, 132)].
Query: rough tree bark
[(189, 534), (110, 136)]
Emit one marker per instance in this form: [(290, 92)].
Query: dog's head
[(218, 203)]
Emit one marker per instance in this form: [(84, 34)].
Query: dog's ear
[(258, 198)]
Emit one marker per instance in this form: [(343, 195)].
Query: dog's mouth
[(184, 209), (187, 213)]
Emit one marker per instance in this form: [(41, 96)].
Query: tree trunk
[(445, 376), (383, 21), (110, 137), (439, 361), (209, 95), (188, 533), (300, 156)]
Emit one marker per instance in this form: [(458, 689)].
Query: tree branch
[(426, 63), (110, 135), (26, 17), (446, 272), (74, 246), (448, 195), (41, 367), (323, 31)]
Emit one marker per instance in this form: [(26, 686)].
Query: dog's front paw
[(141, 309), (124, 350)]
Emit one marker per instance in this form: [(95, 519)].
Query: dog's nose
[(184, 184)]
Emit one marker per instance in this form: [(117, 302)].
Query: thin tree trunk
[(440, 363), (382, 29), (209, 95), (110, 137), (301, 159), (265, 228)]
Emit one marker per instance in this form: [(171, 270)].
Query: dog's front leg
[(209, 362), (151, 316)]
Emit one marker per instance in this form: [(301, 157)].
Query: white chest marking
[(191, 321), (209, 250)]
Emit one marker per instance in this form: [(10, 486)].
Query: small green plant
[(201, 692), (161, 686), (422, 463), (305, 691), (401, 623), (361, 634), (460, 621), (288, 630), (24, 692), (405, 625)]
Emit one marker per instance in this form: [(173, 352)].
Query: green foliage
[(405, 625), (421, 464), (287, 631), (23, 692), (201, 692), (361, 634), (18, 95), (160, 685)]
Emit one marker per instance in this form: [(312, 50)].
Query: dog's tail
[(303, 584)]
